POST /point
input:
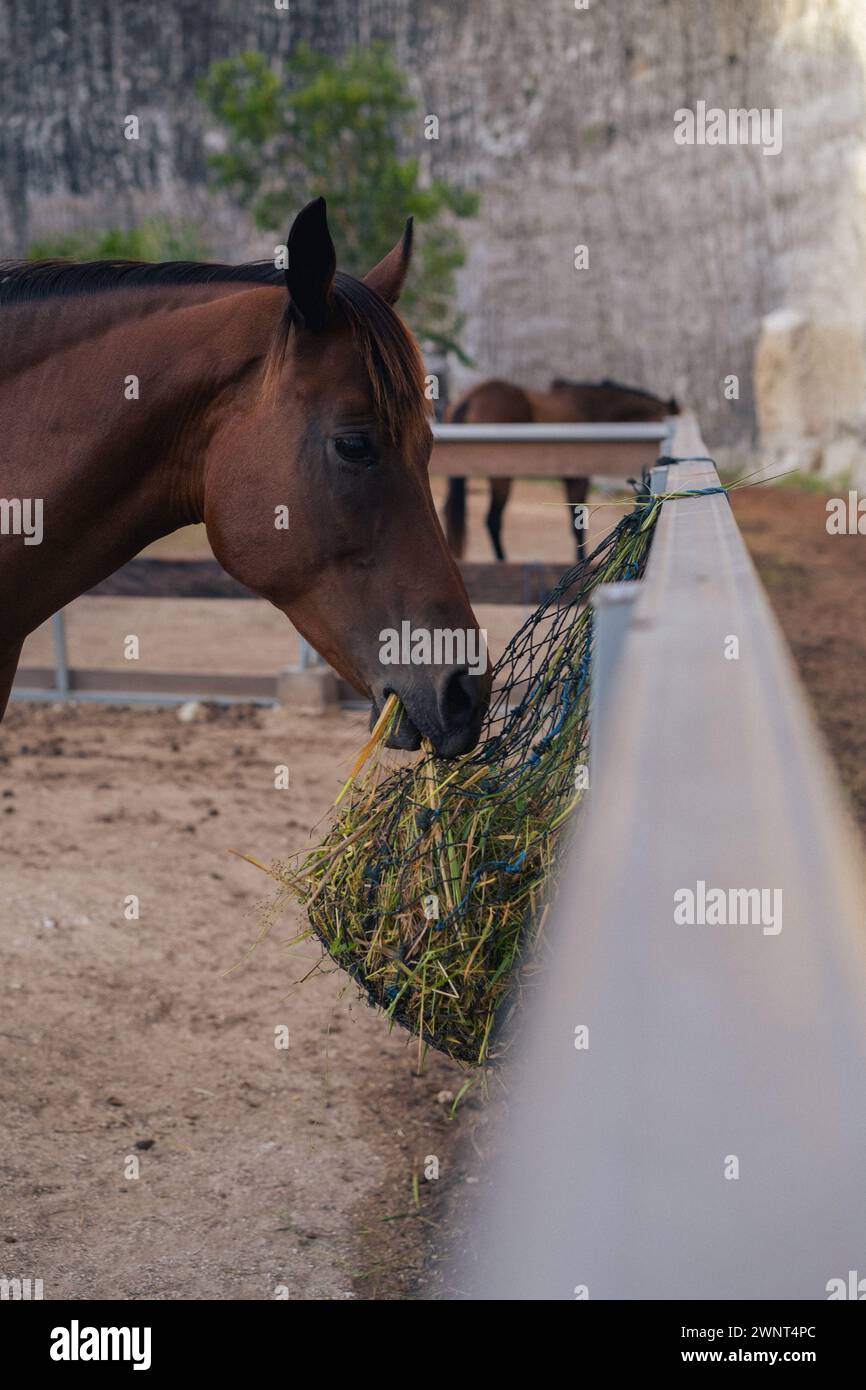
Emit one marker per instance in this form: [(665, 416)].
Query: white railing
[(552, 433), (710, 1141)]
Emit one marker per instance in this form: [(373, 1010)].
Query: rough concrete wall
[(71, 70), (562, 118)]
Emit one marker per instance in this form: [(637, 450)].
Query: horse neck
[(108, 409)]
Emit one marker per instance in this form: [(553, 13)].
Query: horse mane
[(22, 282), (390, 354)]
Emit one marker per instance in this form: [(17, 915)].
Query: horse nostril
[(459, 697)]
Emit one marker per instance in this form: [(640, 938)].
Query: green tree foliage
[(333, 127), (155, 239)]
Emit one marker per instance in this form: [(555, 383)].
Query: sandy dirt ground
[(124, 1044), (817, 585), (123, 1039)]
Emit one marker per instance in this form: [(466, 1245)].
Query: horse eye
[(355, 448)]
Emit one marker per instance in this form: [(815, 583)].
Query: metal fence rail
[(710, 1140), (557, 450), (628, 432)]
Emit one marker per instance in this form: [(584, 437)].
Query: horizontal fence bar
[(159, 687), (486, 459), (547, 451), (516, 583), (188, 579), (37, 695), (189, 684), (509, 582), (627, 433), (706, 1136)]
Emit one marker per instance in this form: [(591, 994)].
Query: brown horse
[(135, 399), (573, 402)]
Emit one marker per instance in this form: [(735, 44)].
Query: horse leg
[(500, 489), (576, 490), (8, 667), (455, 516)]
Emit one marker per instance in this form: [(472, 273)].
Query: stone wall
[(562, 118)]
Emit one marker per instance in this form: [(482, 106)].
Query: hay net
[(431, 884)]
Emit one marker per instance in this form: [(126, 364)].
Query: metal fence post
[(61, 664)]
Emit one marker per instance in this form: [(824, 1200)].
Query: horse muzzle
[(447, 709)]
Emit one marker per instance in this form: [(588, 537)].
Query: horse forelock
[(389, 354), (391, 358)]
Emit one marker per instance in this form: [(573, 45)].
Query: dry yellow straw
[(389, 710)]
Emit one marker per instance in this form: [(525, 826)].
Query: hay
[(430, 887)]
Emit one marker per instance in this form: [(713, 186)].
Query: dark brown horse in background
[(135, 399), (572, 402)]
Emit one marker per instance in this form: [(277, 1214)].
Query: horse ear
[(312, 263), (387, 277)]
